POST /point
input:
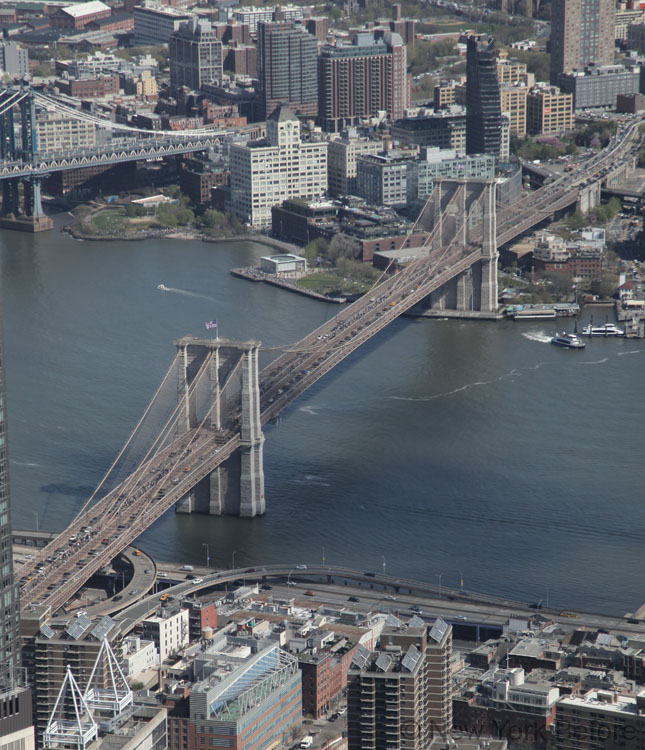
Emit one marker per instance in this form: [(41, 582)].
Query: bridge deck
[(122, 515)]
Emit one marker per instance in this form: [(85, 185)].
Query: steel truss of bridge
[(21, 162)]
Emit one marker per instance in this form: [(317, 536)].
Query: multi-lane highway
[(377, 592)]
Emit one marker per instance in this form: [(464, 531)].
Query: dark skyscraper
[(9, 603), (287, 69), (483, 108)]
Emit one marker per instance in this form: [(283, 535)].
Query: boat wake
[(538, 336), (510, 374), (632, 351), (596, 362), (308, 410), (312, 479), (185, 292)]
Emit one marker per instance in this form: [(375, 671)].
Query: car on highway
[(460, 617), (415, 608), (148, 571), (391, 597), (266, 587), (353, 599), (197, 580), (301, 567)]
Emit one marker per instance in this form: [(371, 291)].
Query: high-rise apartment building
[(400, 696), (582, 32), (287, 60), (483, 106), (195, 55), (264, 173), (361, 79)]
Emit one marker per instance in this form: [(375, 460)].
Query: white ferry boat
[(609, 329), (568, 340)]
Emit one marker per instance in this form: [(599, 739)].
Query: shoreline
[(173, 233), (257, 276)]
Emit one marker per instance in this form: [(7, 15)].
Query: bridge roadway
[(476, 608), (153, 147), (61, 568)]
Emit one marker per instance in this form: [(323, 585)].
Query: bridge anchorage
[(31, 216), (232, 404)]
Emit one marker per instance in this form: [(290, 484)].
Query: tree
[(577, 220), (315, 248), (343, 246), (184, 216), (604, 285), (165, 216), (213, 219), (131, 210)]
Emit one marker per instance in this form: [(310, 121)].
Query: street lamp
[(383, 558), (208, 554), (36, 514), (439, 576), (233, 559)]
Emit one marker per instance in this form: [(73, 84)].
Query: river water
[(440, 449)]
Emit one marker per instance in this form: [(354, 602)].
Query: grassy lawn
[(111, 220), (325, 282)]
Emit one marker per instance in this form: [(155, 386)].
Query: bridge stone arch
[(464, 210), (228, 400)]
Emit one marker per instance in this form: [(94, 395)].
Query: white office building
[(264, 173)]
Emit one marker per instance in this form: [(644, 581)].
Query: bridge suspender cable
[(128, 441)]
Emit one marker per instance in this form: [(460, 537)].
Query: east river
[(440, 449)]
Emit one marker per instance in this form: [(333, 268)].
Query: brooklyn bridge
[(198, 445)]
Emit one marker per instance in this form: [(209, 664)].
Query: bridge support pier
[(237, 486), (454, 211), (10, 197)]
